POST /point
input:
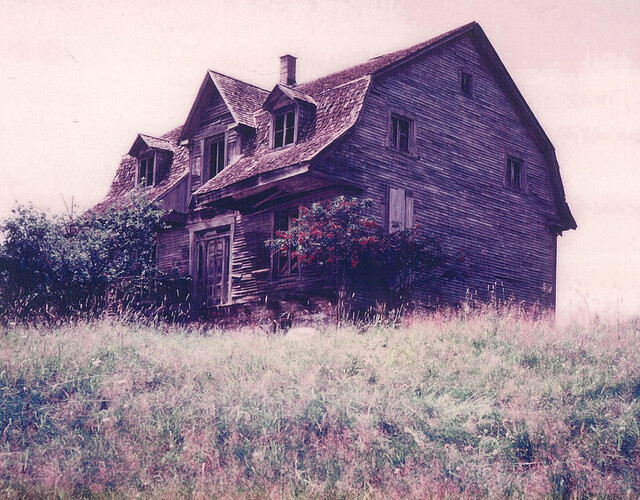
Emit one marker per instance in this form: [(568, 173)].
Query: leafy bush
[(53, 266), (340, 235)]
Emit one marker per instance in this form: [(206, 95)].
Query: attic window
[(216, 159), (284, 127), (515, 173), (466, 83), (401, 130), (145, 172)]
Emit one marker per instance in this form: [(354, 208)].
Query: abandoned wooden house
[(436, 134)]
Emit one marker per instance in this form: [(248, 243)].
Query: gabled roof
[(242, 100), (326, 89), (338, 99), (149, 141), (125, 179), (337, 112)]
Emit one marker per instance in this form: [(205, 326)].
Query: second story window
[(284, 126), (216, 159), (515, 173), (145, 172), (401, 133)]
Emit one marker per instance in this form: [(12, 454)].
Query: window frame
[(206, 154), (144, 159), (284, 111), (517, 183), (395, 117), (274, 268)]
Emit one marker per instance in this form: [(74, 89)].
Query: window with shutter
[(399, 209)]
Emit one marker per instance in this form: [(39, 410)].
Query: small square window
[(515, 173), (401, 133), (466, 83), (284, 124), (145, 172)]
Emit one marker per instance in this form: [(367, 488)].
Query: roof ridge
[(399, 55), (236, 79)]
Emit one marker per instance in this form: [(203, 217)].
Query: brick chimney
[(288, 70)]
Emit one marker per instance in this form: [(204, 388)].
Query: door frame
[(196, 233)]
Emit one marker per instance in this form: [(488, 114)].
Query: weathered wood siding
[(173, 251), (214, 121), (252, 260), (457, 173)]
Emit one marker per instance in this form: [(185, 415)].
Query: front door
[(213, 270)]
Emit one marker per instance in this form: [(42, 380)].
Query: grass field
[(441, 407)]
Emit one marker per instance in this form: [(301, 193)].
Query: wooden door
[(213, 271)]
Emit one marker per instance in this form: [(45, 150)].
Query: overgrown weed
[(469, 403)]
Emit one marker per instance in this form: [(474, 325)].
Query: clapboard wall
[(456, 173)]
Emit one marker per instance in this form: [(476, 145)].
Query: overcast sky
[(79, 80)]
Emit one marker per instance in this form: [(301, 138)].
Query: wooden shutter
[(409, 218), (399, 210)]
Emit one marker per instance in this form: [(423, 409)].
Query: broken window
[(515, 173), (401, 133), (284, 263), (466, 83), (216, 156), (145, 172)]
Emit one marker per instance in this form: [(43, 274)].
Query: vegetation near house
[(53, 267), (341, 238), (466, 406)]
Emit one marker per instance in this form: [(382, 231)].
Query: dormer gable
[(154, 156), (290, 111), (240, 99)]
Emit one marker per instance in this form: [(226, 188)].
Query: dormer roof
[(149, 142), (289, 93), (242, 100)]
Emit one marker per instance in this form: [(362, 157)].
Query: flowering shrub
[(341, 234)]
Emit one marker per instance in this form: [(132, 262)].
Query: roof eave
[(258, 181)]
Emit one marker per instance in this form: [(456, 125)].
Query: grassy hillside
[(486, 406)]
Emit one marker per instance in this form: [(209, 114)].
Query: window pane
[(394, 131), (221, 161), (404, 135), (149, 171), (277, 139), (290, 127), (279, 123)]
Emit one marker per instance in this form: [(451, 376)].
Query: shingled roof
[(125, 178), (339, 98), (242, 100), (337, 112)]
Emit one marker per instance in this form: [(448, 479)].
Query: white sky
[(79, 80)]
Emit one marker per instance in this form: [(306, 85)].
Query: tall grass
[(445, 406)]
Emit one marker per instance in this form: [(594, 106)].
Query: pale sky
[(79, 80)]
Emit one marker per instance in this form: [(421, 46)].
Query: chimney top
[(287, 70)]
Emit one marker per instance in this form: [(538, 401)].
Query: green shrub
[(52, 267)]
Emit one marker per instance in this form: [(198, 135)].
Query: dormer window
[(145, 171), (216, 158), (284, 127)]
